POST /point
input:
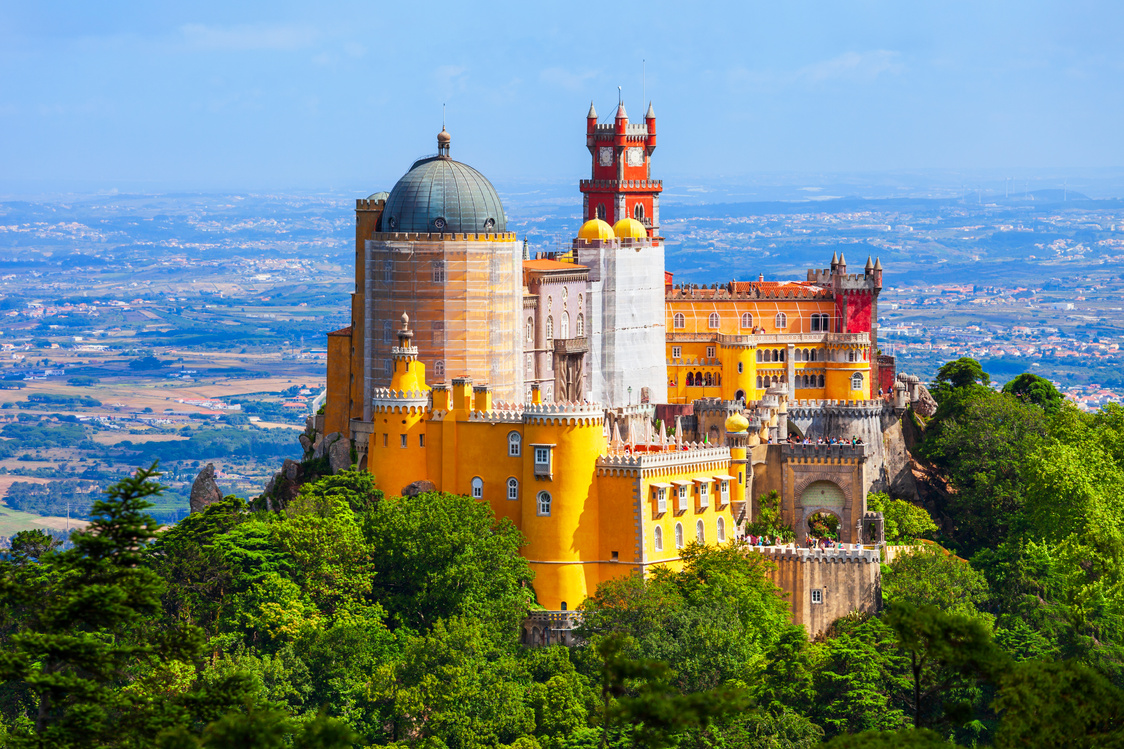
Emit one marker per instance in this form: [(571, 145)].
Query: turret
[(834, 261), (869, 269), (877, 273), (650, 120), (591, 120), (841, 266)]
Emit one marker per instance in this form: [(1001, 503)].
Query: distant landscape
[(189, 328)]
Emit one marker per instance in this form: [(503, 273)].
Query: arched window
[(439, 368), (815, 323), (781, 353), (638, 212), (514, 444), (679, 321), (825, 323), (477, 488), (781, 320), (690, 379), (758, 382), (565, 294), (530, 330), (659, 539), (708, 379), (776, 354), (857, 381), (747, 320), (721, 530), (679, 535), (565, 324), (544, 504), (698, 379), (580, 332), (601, 212), (776, 380), (439, 271), (513, 488), (813, 356), (550, 327), (712, 321), (821, 381), (850, 355), (758, 355), (386, 330), (700, 532)]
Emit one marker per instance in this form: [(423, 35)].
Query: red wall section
[(858, 312)]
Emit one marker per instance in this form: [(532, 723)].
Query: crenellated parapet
[(412, 236), (386, 400), (564, 413), (778, 554), (816, 453), (812, 407), (693, 456), (500, 413)]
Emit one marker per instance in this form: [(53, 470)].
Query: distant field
[(112, 438), (14, 521)]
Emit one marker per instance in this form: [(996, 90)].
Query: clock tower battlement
[(621, 184)]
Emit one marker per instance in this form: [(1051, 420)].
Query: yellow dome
[(736, 423), (630, 228), (595, 228)]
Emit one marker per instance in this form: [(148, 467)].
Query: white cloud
[(849, 67), (254, 37), (565, 79)]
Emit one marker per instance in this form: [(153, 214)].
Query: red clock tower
[(621, 184)]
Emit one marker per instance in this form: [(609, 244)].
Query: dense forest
[(351, 619)]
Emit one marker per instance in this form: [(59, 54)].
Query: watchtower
[(621, 184)]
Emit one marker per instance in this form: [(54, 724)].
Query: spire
[(869, 263), (878, 264), (842, 261), (621, 114), (834, 259), (651, 115), (592, 112), (526, 250), (443, 140)]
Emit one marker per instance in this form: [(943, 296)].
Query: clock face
[(636, 157), (605, 155)]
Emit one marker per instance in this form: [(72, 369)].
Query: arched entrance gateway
[(820, 511)]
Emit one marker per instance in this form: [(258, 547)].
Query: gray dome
[(442, 195)]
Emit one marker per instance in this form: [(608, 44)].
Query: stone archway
[(822, 495)]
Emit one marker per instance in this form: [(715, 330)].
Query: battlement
[(365, 204), (816, 453), (500, 413), (414, 236), (567, 412), (716, 405), (823, 556), (692, 455), (738, 291), (620, 184), (388, 399), (805, 407)]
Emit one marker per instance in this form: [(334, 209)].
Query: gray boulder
[(204, 490), (339, 455)]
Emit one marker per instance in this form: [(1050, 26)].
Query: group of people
[(794, 440)]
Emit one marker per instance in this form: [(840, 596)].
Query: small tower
[(620, 184)]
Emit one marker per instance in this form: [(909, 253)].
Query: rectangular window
[(404, 438), (682, 498), (740, 370), (676, 352), (710, 352), (615, 555), (542, 456), (661, 500), (542, 461), (421, 440), (385, 439), (704, 495), (817, 596), (724, 489)]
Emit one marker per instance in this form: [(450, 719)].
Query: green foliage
[(58, 498), (440, 556), (964, 373), (45, 434), (1030, 388), (909, 738), (82, 381), (931, 576), (904, 522), (768, 522), (146, 363), (42, 400), (713, 621)]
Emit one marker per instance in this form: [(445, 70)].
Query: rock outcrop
[(339, 455), (418, 487), (204, 490)]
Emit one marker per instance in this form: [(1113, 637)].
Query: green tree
[(1030, 388), (904, 521), (960, 374), (437, 556), (908, 738), (931, 576)]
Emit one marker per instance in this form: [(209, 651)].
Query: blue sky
[(293, 95)]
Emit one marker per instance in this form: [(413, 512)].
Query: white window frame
[(713, 321), (857, 381), (676, 352), (514, 444), (710, 352), (704, 494), (682, 498), (477, 487), (657, 543), (700, 531), (817, 596), (781, 320), (678, 321), (724, 492), (720, 530), (542, 504), (661, 500), (438, 271), (679, 536), (513, 488), (544, 460), (580, 331), (746, 320), (550, 327)]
